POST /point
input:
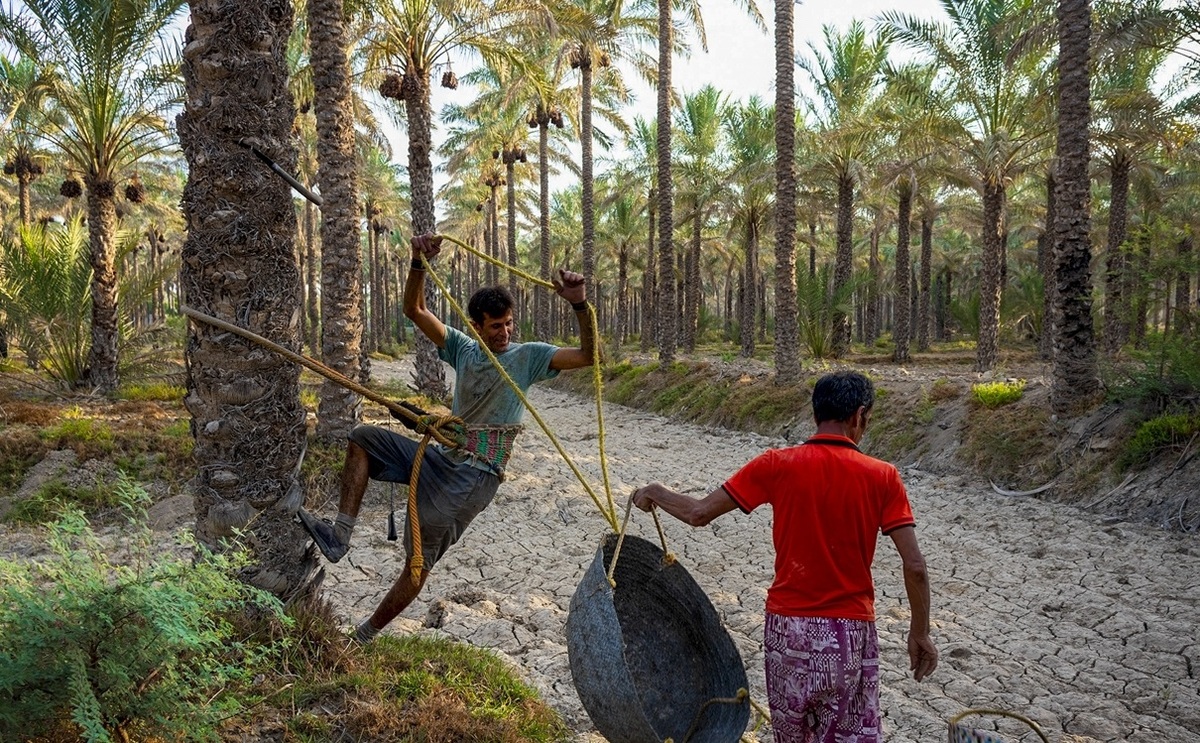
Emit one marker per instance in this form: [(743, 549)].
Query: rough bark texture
[(667, 330), (430, 375), (1116, 305), (649, 278), (1183, 287), (239, 265), (900, 332), (102, 228), (540, 293), (24, 179), (990, 286), (691, 283), (622, 323), (587, 178), (787, 328), (747, 293), (843, 264), (511, 209), (1075, 372), (1046, 266), (341, 258), (923, 318)]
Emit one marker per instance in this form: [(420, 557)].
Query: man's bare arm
[(922, 653), (572, 287), (414, 290), (689, 510)]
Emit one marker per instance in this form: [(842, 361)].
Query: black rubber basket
[(651, 659)]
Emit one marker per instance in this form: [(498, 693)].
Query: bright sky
[(741, 58)]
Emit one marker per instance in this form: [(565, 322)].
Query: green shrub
[(76, 427), (996, 394), (142, 649), (1156, 435), (152, 391), (54, 498), (1163, 376)]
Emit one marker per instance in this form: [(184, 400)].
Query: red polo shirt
[(830, 502)]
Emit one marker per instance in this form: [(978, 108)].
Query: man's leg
[(822, 679), (334, 541), (398, 597)]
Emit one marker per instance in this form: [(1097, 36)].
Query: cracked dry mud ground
[(1087, 625)]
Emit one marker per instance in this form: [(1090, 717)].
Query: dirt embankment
[(926, 416)]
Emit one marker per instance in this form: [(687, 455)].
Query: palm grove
[(1016, 174)]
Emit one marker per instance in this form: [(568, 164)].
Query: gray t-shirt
[(481, 395)]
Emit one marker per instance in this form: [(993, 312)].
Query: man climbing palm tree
[(454, 486)]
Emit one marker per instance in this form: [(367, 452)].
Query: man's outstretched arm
[(572, 287), (689, 510), (922, 653), (414, 290)]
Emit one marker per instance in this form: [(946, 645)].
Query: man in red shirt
[(829, 501)]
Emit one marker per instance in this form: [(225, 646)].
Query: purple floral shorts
[(822, 679)]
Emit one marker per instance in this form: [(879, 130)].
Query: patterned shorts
[(822, 679)]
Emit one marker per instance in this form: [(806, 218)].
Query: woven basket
[(650, 657), (961, 732)]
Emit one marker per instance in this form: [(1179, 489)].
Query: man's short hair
[(492, 300), (837, 396)]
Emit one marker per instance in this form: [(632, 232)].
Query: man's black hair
[(493, 300), (837, 396)]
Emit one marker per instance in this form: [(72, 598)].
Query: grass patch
[(1005, 442), (155, 391), (1157, 436), (997, 394), (77, 428), (410, 688), (52, 499)]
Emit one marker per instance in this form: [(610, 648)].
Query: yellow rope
[(511, 269), (597, 374), (610, 513), (334, 376)]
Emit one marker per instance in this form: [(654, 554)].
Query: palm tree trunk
[(102, 226), (1183, 287), (748, 293), (622, 292), (649, 283), (314, 303), (900, 333), (512, 224), (493, 272), (989, 279), (429, 375), (541, 295), (1075, 372), (24, 179), (923, 319), (843, 262), (341, 258), (787, 331), (587, 197), (1116, 326), (238, 264), (691, 283), (667, 330), (812, 249), (1046, 266), (872, 326)]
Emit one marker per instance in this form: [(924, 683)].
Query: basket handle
[(1003, 713)]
